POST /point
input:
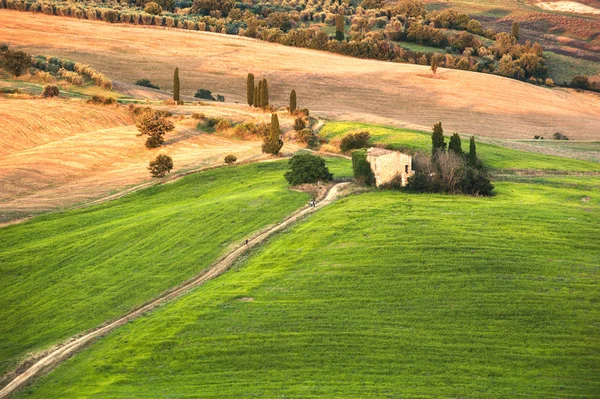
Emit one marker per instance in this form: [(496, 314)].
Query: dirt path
[(55, 356)]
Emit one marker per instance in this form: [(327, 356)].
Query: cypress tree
[(455, 144), (437, 139), (472, 158), (292, 101), (256, 93), (434, 64), (272, 143), (176, 85), (339, 27), (259, 102), (250, 89), (265, 94), (516, 27)]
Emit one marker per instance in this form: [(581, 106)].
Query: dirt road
[(55, 356)]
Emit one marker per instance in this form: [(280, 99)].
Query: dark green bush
[(362, 168), (229, 159), (50, 91), (204, 94), (161, 165), (306, 169), (145, 82), (354, 141)]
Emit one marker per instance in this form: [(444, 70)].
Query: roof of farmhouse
[(377, 152)]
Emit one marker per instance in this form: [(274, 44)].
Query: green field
[(562, 68), (494, 157), (381, 294), (68, 272)]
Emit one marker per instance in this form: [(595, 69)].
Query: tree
[(256, 99), (451, 169), (272, 143), (437, 139), (455, 144), (50, 91), (293, 102), (155, 125), (176, 85), (472, 157), (229, 159), (580, 82), (161, 165), (307, 169), (434, 65), (516, 27), (153, 8), (355, 140), (264, 95), (339, 27), (250, 89), (259, 102), (362, 168), (17, 62)]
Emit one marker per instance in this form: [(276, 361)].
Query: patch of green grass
[(64, 273), (495, 157), (382, 294), (420, 47), (562, 68)]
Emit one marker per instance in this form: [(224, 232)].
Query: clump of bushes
[(145, 82), (153, 8), (559, 136), (222, 125), (354, 141), (161, 165), (198, 116), (207, 95), (307, 169), (230, 159), (363, 174), (155, 125), (50, 91), (104, 100), (250, 130)]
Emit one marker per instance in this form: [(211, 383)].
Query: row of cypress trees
[(257, 95)]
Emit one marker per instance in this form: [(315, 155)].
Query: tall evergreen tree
[(339, 27), (292, 101), (250, 89), (516, 27), (176, 85), (265, 94), (455, 144), (273, 143), (259, 99), (437, 139), (256, 92), (472, 158)]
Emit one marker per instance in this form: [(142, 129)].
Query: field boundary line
[(63, 351)]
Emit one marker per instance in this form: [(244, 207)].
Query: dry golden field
[(330, 85), (55, 154)]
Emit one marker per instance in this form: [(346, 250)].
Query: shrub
[(111, 16), (306, 169), (476, 182), (104, 100), (222, 125), (229, 159), (198, 116), (17, 62), (125, 18), (90, 14), (580, 82), (354, 141), (50, 91), (145, 82), (247, 129), (220, 98), (299, 124), (204, 94), (153, 8), (155, 126), (362, 168), (161, 165), (559, 136), (147, 19), (549, 82), (305, 136)]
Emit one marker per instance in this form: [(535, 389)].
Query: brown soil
[(328, 84)]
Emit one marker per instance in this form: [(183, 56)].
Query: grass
[(420, 47), (493, 156), (586, 146), (382, 294), (68, 272), (562, 68)]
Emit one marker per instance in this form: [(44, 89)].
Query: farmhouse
[(387, 165)]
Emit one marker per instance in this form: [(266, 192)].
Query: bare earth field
[(330, 85), (55, 154)]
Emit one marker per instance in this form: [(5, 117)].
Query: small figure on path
[(246, 242)]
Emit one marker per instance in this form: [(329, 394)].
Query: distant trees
[(145, 82), (250, 89), (155, 125), (355, 140), (207, 95), (293, 103), (580, 82), (437, 139), (272, 143), (434, 65), (161, 165), (260, 93), (230, 159), (153, 8), (176, 85), (306, 169), (339, 27)]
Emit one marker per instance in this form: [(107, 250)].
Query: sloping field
[(383, 295), (64, 273), (332, 85), (60, 153)]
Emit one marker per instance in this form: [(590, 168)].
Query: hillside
[(330, 85), (381, 295)]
